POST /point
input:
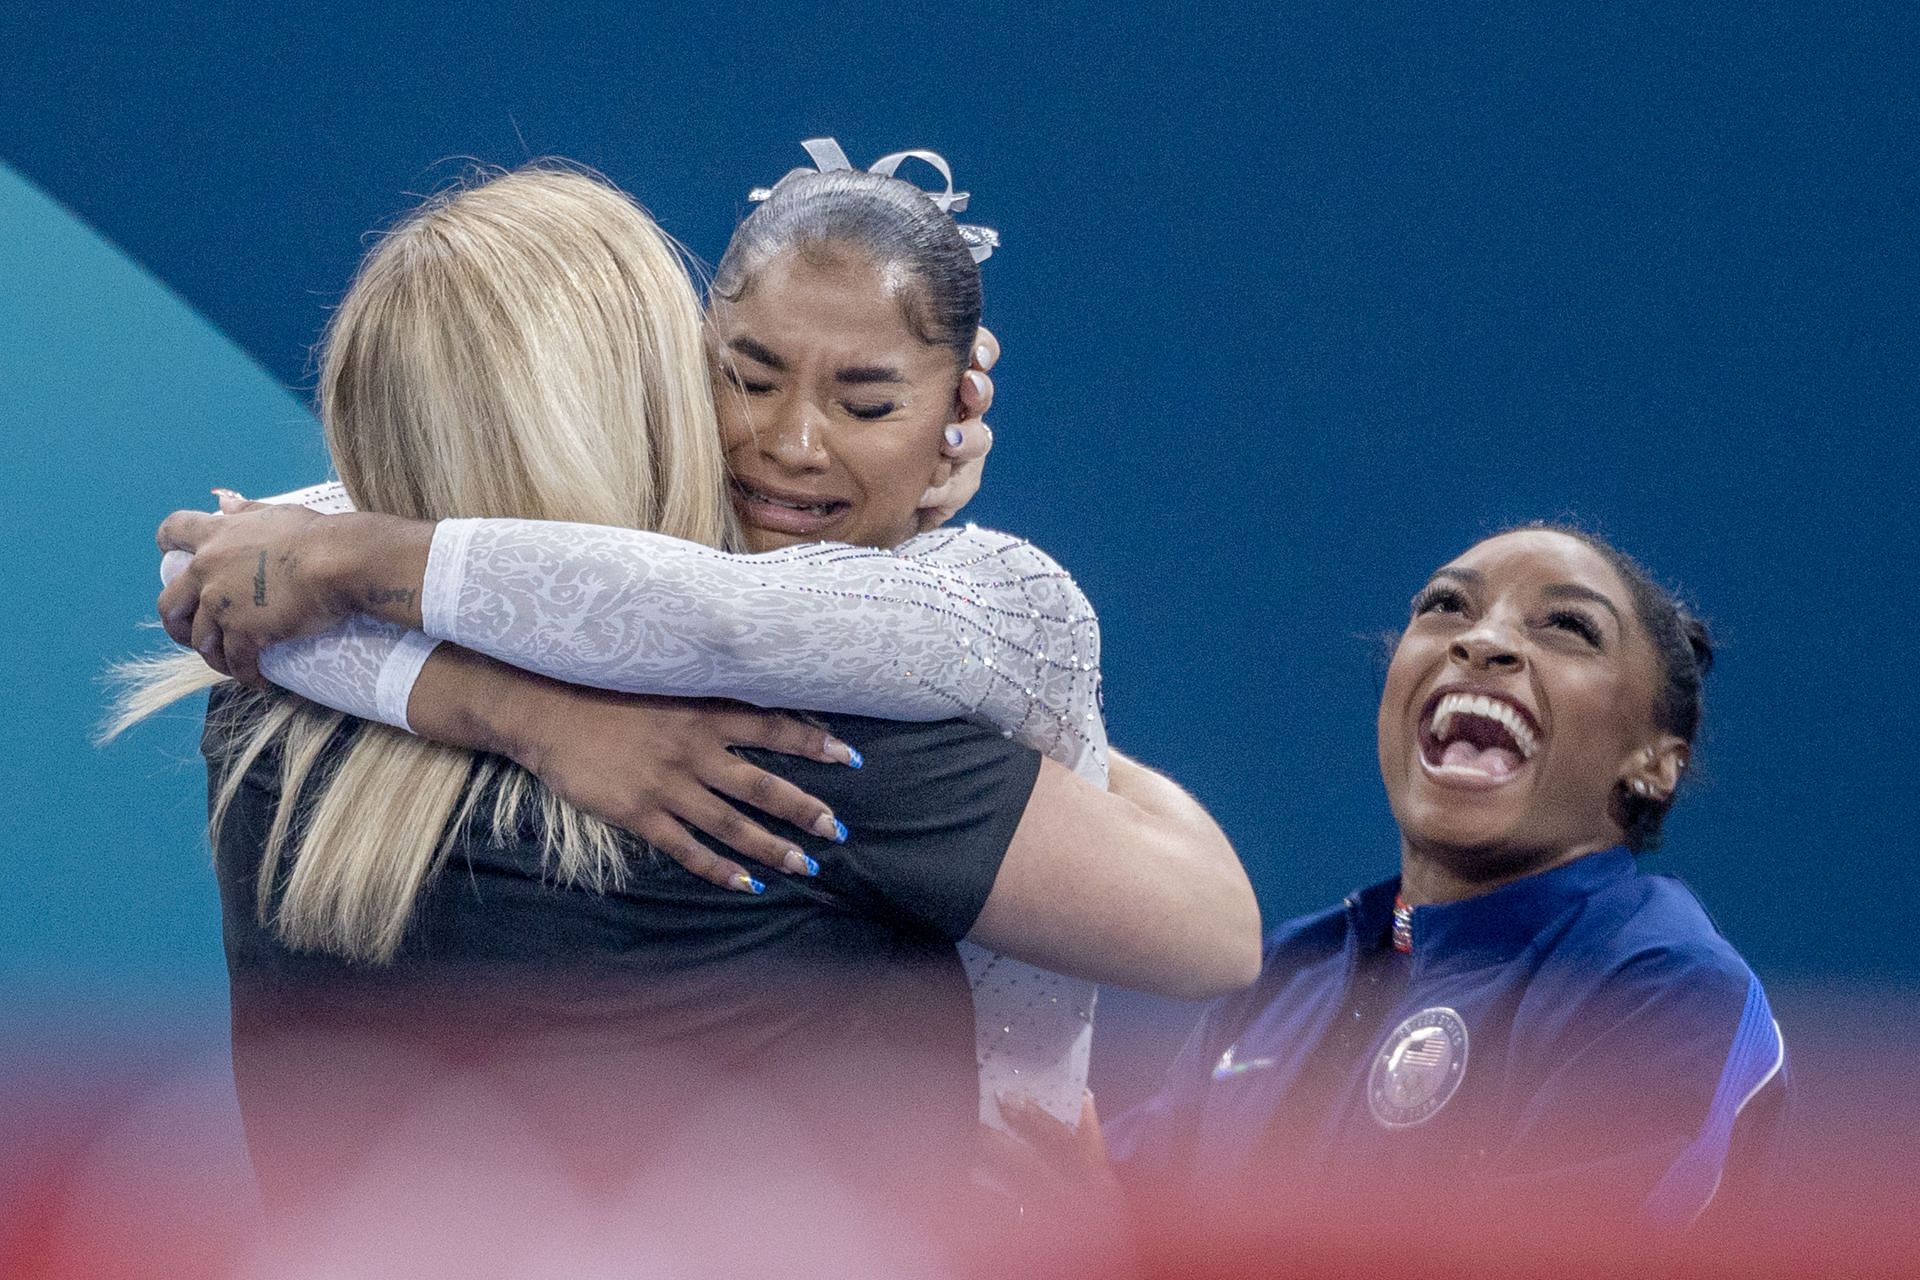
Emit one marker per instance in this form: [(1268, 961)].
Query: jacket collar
[(1492, 929)]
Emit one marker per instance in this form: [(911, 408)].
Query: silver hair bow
[(829, 158)]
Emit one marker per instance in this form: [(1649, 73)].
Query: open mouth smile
[(1474, 739)]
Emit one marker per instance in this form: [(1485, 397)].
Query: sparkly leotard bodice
[(959, 622)]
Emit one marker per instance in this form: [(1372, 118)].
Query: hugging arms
[(955, 622)]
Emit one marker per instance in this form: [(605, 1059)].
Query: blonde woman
[(528, 350)]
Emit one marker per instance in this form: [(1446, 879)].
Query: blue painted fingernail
[(797, 863), (854, 759), (746, 883), (813, 868), (954, 437)]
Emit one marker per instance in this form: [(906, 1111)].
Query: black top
[(607, 1013)]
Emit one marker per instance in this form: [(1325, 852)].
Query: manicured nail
[(979, 381), (955, 437), (227, 493), (854, 759), (828, 827), (745, 883), (799, 864), (980, 355), (845, 752)]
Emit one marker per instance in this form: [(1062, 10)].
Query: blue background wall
[(1297, 301)]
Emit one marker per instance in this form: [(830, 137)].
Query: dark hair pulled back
[(889, 220), (1683, 648)]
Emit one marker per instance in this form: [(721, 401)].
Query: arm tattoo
[(260, 581)]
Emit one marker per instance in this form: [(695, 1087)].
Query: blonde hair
[(527, 344)]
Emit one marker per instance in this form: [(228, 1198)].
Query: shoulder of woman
[(990, 557), (1664, 927), (232, 716), (971, 543), (1664, 963)]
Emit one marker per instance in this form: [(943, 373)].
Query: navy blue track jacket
[(1583, 1038)]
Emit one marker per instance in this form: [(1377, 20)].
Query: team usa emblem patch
[(1418, 1069)]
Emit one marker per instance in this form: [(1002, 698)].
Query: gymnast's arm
[(1135, 886), (959, 622), (954, 623), (970, 835)]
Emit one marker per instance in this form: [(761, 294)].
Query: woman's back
[(607, 1019)]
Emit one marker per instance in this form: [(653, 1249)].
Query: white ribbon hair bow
[(829, 158)]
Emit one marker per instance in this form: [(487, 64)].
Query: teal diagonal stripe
[(117, 403)]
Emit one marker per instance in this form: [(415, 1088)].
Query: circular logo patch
[(1418, 1068)]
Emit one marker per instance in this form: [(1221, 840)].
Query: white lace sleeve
[(363, 667), (955, 623)]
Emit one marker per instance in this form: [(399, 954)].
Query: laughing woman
[(1520, 1022)]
